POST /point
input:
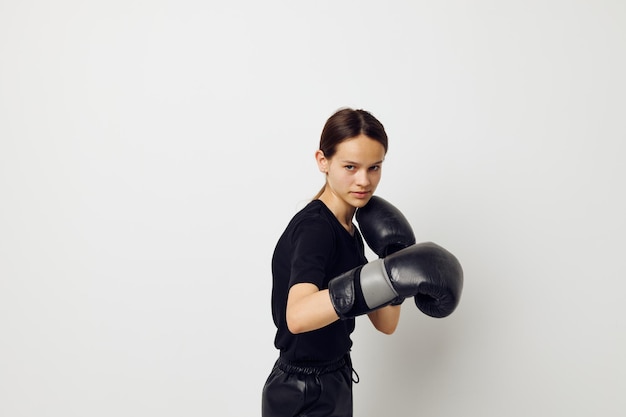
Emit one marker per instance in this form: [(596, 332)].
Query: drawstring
[(354, 375), (356, 381)]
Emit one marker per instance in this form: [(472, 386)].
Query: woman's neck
[(342, 211)]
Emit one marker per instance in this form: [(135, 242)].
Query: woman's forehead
[(362, 149)]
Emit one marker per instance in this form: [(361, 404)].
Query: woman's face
[(353, 173)]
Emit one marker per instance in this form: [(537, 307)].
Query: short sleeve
[(313, 248)]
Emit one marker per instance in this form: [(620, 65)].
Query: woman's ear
[(322, 162)]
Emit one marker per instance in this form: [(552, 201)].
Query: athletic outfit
[(313, 374)]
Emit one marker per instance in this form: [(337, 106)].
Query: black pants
[(323, 390)]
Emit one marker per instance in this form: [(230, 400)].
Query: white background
[(151, 153)]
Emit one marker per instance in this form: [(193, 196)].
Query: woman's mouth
[(360, 194)]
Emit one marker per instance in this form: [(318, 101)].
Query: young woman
[(313, 374)]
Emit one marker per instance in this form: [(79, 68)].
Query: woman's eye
[(375, 168), (350, 167)]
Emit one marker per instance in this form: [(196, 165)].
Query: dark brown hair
[(346, 124)]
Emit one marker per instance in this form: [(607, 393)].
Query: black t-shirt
[(314, 248)]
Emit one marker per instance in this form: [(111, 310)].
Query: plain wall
[(151, 153)]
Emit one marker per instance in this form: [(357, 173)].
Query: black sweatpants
[(324, 390)]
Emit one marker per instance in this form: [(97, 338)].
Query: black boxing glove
[(385, 229), (426, 271)]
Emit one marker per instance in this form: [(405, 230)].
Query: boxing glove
[(425, 271), (384, 227)]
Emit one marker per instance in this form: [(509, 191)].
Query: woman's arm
[(308, 308), (385, 319)]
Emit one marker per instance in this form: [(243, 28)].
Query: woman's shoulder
[(313, 219), (315, 212), (313, 208)]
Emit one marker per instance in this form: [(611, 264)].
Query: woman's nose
[(363, 178)]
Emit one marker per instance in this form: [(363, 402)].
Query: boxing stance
[(315, 301)]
